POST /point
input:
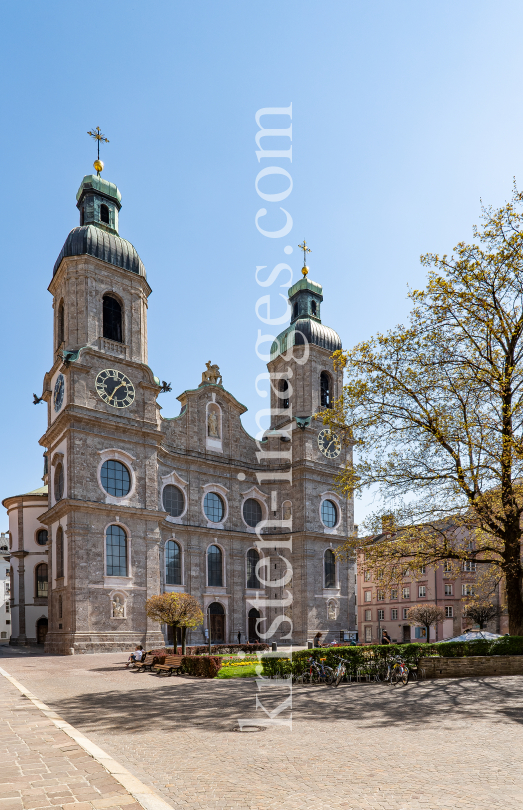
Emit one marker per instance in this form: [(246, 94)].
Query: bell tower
[(102, 437)]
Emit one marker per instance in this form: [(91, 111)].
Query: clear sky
[(405, 114)]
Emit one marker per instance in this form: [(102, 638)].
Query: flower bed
[(224, 649)]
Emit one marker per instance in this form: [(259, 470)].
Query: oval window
[(173, 500), (329, 514), (213, 507), (252, 512), (115, 478), (42, 537)]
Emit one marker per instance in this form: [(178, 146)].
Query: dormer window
[(104, 214), (313, 307)]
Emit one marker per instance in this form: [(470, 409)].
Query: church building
[(136, 504)]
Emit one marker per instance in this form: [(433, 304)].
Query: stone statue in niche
[(287, 512), (331, 610), (118, 608), (212, 423), (212, 374)]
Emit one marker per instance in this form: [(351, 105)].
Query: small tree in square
[(426, 615), (176, 610)]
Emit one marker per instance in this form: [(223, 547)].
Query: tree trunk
[(184, 641), (175, 639), (514, 604), (427, 628)]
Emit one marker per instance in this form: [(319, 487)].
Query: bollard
[(274, 646), (309, 645)]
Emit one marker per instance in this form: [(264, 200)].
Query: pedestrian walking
[(239, 637), (386, 639)]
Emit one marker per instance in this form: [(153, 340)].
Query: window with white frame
[(368, 615), (406, 593), (469, 566), (381, 615), (368, 634), (368, 596), (422, 590), (449, 611), (447, 567), (423, 569), (394, 614), (405, 613), (366, 576), (381, 596), (467, 590), (394, 593), (448, 590)]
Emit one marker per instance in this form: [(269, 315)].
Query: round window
[(252, 512), (329, 514), (41, 537), (115, 478), (173, 500), (213, 507)]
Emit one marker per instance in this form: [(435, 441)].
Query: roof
[(88, 240), (40, 492), (99, 184), (306, 330), (306, 284)]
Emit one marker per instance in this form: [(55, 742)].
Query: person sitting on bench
[(135, 656)]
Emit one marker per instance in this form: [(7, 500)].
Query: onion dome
[(99, 203), (305, 298)]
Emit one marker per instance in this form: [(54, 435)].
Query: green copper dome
[(99, 184)]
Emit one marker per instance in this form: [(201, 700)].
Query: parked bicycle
[(340, 671), (397, 671), (316, 672)]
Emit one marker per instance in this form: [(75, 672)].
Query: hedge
[(368, 658), (203, 666), (226, 649)]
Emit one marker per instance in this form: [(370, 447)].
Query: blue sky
[(405, 114)]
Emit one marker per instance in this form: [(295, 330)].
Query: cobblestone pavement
[(437, 745), (41, 766)]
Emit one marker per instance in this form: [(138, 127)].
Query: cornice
[(68, 505)]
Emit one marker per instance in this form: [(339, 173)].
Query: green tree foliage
[(436, 411)]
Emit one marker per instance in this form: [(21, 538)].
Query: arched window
[(82, 215), (112, 319), (295, 310), (252, 512), (217, 629), (173, 500), (325, 390), (59, 482), (60, 607), (42, 537), (115, 477), (314, 308), (59, 552), (213, 507), (252, 577), (329, 569), (116, 551), (214, 566), (41, 580), (60, 324), (104, 214), (329, 514), (284, 393), (173, 563)]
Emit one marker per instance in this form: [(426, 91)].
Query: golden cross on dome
[(306, 250), (98, 136)]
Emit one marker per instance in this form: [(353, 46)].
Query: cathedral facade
[(138, 504)]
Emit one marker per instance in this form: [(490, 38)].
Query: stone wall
[(473, 666)]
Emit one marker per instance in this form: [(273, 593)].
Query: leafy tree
[(481, 613), (176, 610), (426, 615), (436, 411)]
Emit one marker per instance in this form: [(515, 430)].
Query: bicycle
[(317, 673), (340, 671), (397, 672)]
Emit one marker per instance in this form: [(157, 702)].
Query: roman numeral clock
[(115, 388)]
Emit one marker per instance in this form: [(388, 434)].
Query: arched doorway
[(253, 633), (217, 623), (41, 630)]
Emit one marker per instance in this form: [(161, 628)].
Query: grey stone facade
[(203, 450)]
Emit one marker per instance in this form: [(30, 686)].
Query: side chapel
[(135, 504)]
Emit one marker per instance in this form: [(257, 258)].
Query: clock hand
[(114, 392)]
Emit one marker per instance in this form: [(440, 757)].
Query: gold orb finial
[(98, 165), (304, 270)]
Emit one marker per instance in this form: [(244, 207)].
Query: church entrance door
[(217, 623), (41, 630), (253, 633)]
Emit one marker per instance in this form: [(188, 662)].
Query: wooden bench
[(170, 665), (146, 662)]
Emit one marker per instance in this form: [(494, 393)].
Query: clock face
[(329, 443), (115, 388), (58, 395)]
